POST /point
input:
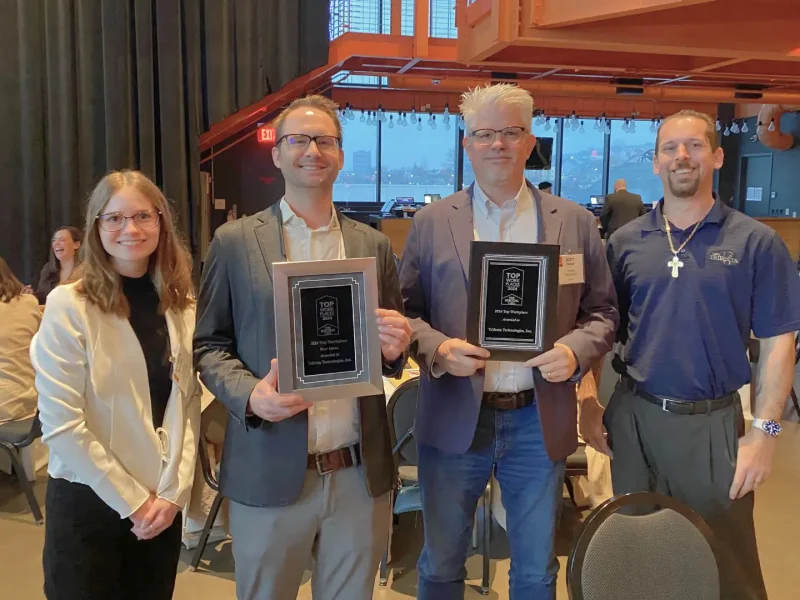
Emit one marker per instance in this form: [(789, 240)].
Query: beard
[(685, 188)]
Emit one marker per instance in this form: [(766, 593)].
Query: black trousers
[(693, 459), (91, 554)]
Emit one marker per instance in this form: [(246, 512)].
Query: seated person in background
[(19, 320), (63, 260), (620, 208), (546, 186)]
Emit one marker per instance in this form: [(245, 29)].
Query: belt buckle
[(320, 469)]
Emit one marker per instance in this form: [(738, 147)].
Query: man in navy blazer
[(476, 416)]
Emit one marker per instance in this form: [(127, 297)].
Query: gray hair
[(479, 98)]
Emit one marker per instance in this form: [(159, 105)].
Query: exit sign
[(266, 134)]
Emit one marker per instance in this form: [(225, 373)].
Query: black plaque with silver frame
[(513, 290), (326, 328)]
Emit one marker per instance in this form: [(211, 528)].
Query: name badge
[(570, 269), (182, 372)]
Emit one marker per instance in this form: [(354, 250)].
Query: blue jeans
[(531, 486)]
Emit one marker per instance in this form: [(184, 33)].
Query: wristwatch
[(768, 426)]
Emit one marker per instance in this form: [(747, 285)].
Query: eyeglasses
[(510, 135), (299, 142), (144, 219)]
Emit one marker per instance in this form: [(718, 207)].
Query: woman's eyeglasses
[(144, 219)]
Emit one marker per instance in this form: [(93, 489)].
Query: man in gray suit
[(305, 480), (476, 416), (620, 208)]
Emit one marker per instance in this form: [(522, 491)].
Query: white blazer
[(94, 404)]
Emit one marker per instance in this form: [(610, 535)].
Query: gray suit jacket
[(620, 208), (433, 278), (264, 463)]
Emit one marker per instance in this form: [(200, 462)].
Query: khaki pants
[(335, 522)]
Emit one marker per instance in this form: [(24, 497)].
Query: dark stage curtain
[(87, 86)]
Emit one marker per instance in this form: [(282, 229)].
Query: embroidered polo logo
[(726, 257)]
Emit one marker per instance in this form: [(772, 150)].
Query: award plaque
[(513, 289), (326, 328)]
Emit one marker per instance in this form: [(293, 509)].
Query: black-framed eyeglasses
[(115, 221), (298, 142), (510, 135)]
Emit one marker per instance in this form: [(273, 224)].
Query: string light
[(717, 125), (727, 131), (653, 126), (419, 124), (547, 124), (391, 123), (735, 128), (582, 130), (745, 129), (432, 122), (363, 118)]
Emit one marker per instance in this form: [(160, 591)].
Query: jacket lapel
[(354, 243), (268, 236), (549, 221), (462, 227)]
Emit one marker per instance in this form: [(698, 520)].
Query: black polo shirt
[(686, 337)]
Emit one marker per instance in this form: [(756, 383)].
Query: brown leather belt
[(508, 400), (328, 462)]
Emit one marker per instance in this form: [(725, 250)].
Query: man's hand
[(395, 333), (556, 365), (753, 463), (160, 516), (591, 426), (267, 403), (460, 358)]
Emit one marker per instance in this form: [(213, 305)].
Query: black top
[(150, 327)]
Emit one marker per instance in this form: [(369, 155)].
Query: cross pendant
[(675, 264)]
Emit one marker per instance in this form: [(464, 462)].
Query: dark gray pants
[(691, 458)]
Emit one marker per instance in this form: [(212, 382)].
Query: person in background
[(305, 480), (477, 417), (546, 186), (119, 401), (694, 278), (19, 320), (64, 258), (620, 208)]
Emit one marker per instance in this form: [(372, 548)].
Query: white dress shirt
[(332, 424), (514, 221)]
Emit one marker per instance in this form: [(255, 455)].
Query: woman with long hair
[(119, 401), (64, 259), (19, 320)]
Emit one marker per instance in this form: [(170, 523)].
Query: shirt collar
[(520, 202), (655, 218), (289, 218)]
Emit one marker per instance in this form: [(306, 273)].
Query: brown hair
[(321, 103), (10, 286), (170, 265), (711, 129)]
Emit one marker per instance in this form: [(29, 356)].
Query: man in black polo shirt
[(694, 278)]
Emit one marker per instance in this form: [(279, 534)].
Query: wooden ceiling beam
[(564, 13)]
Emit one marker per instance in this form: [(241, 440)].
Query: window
[(358, 179), (443, 19), (631, 159), (582, 161), (413, 162), (534, 176)]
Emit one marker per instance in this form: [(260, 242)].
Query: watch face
[(772, 427)]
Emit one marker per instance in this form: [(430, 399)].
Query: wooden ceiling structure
[(621, 58)]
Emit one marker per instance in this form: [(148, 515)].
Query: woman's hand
[(158, 517)]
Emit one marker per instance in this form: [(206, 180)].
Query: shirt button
[(683, 251)]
